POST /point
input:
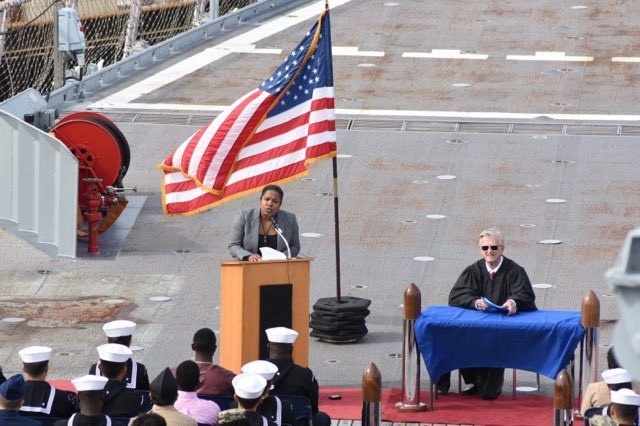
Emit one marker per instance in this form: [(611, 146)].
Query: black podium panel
[(275, 311)]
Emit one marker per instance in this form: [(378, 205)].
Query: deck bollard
[(563, 399), (371, 396), (589, 345), (410, 355)]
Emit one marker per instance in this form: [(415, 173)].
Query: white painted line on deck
[(400, 113), (625, 59), (207, 56), (354, 51), (247, 48), (550, 56), (444, 54)]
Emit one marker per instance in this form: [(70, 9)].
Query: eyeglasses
[(494, 248)]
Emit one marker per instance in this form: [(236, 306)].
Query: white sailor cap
[(35, 354), (89, 383), (616, 375), (114, 352), (119, 328), (281, 335), (264, 368), (248, 385), (626, 397)]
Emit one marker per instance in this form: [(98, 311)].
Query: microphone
[(274, 220)]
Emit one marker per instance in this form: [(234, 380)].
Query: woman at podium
[(266, 226)]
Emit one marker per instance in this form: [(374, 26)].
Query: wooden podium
[(260, 295)]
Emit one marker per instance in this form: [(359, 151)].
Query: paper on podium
[(268, 253)]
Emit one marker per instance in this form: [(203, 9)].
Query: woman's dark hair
[(275, 188)]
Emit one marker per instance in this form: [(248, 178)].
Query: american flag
[(270, 135)]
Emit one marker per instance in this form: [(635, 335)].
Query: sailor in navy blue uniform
[(249, 391), (90, 396), (41, 398), (272, 407), (121, 331), (11, 397), (293, 379), (119, 401)]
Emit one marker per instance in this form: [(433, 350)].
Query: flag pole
[(337, 224), (349, 312), (335, 212)]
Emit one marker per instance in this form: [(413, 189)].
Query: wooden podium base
[(249, 290)]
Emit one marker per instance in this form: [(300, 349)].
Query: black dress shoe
[(442, 390), (491, 396), (473, 390), (443, 384)]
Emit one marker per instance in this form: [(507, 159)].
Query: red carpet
[(454, 408), (527, 410)]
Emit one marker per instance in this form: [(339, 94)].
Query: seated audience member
[(293, 379), (271, 407), (501, 281), (164, 393), (598, 394), (11, 395), (148, 419), (623, 410), (119, 401), (248, 392), (90, 396), (120, 332), (188, 379), (214, 379), (40, 397)]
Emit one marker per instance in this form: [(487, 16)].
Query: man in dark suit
[(120, 332), (293, 379), (40, 397)]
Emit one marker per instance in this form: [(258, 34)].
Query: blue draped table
[(540, 341)]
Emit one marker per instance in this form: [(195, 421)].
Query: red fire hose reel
[(103, 160)]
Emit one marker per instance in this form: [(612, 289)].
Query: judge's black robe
[(510, 282)]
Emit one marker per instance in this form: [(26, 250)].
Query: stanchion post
[(410, 355), (371, 396), (563, 399), (589, 346)]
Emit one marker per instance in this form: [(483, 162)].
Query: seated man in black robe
[(504, 283)]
